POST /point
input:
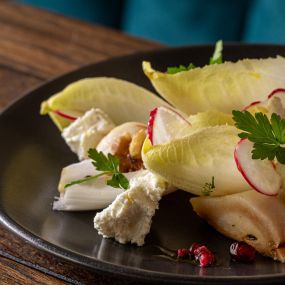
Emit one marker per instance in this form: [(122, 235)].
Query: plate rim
[(104, 267), (129, 272)]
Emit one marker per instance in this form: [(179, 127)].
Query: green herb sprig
[(216, 58), (209, 187), (268, 136), (109, 165), (176, 69)]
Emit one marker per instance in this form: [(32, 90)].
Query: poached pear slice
[(221, 87), (249, 216)]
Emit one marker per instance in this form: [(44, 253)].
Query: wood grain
[(35, 46), (15, 273), (12, 246)]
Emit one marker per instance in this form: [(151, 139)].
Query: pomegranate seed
[(201, 249), (242, 252), (194, 246), (206, 259), (204, 256), (182, 252)]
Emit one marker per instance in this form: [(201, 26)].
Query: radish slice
[(165, 124), (276, 92), (280, 92), (251, 105), (259, 174), (64, 115)]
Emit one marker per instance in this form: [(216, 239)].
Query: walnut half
[(136, 144), (125, 142)]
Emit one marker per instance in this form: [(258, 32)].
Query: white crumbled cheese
[(87, 131), (129, 217), (274, 105)]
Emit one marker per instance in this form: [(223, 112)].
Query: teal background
[(181, 22)]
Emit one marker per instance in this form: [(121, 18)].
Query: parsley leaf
[(118, 181), (102, 162), (109, 165), (208, 188), (217, 57), (268, 136), (176, 69)]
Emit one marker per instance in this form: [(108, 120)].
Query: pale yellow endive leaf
[(190, 162), (123, 101), (222, 87)]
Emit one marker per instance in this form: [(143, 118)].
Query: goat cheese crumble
[(129, 217), (87, 131)]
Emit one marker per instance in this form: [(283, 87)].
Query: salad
[(218, 133)]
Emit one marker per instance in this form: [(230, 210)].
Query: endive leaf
[(95, 194), (210, 119), (190, 162), (121, 100), (221, 87)]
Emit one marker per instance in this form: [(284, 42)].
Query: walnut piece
[(136, 144), (128, 149), (121, 145)]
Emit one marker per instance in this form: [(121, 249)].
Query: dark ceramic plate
[(33, 153)]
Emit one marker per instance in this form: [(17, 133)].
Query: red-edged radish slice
[(64, 115), (165, 124), (276, 92), (259, 174), (251, 105), (280, 92)]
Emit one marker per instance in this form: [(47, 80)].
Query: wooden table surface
[(35, 46)]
